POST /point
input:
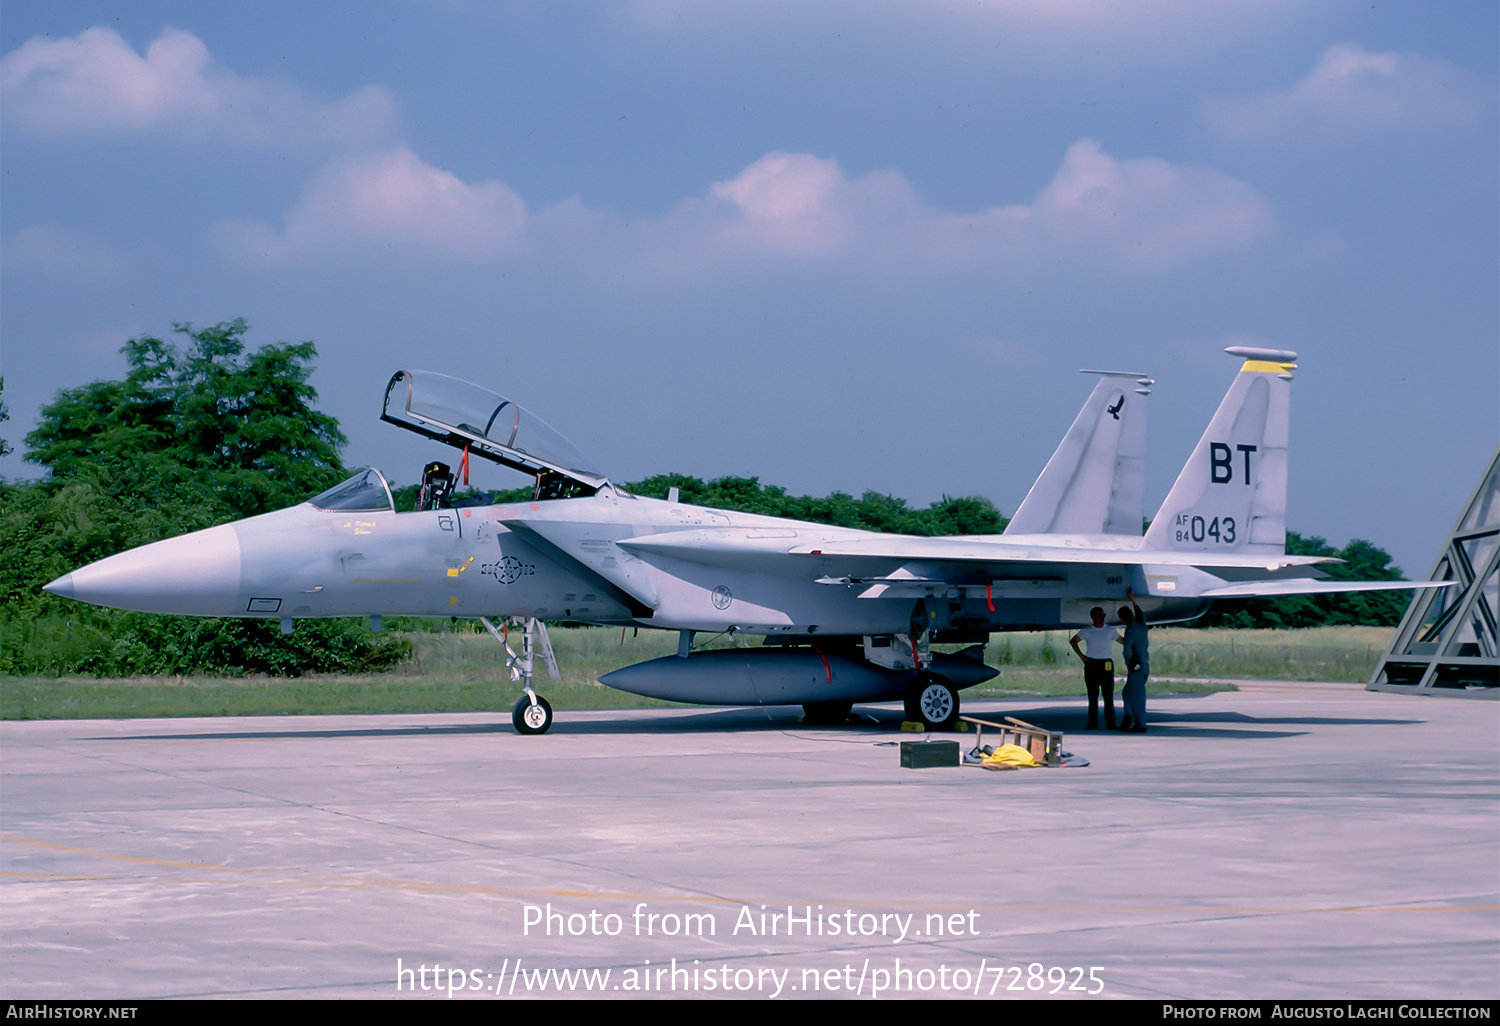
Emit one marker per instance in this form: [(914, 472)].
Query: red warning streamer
[(826, 668)]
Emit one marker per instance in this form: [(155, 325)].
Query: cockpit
[(365, 492), (487, 425)]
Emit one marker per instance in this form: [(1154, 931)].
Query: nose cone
[(195, 574)]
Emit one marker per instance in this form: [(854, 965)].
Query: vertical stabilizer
[(1096, 480), (1231, 495)]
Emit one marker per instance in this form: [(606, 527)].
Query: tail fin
[(1231, 495), (1096, 480)]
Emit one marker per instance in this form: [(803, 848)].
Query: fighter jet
[(846, 615)]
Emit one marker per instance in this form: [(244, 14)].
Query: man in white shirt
[(1097, 654)]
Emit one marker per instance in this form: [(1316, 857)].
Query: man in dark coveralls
[(1137, 659)]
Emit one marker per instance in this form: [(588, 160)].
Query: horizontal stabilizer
[(1303, 586)]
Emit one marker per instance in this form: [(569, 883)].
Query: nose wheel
[(532, 715)]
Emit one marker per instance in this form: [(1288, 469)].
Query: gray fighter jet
[(847, 615)]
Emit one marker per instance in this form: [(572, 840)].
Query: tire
[(932, 701), (826, 714), (529, 719)]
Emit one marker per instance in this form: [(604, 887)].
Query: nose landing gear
[(532, 714)]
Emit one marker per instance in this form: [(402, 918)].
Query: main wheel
[(531, 719), (932, 701), (826, 714)]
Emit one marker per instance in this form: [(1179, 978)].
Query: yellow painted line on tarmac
[(249, 874), (278, 878), (358, 882), (123, 858), (334, 883), (423, 887)]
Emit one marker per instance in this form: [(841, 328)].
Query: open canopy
[(484, 423)]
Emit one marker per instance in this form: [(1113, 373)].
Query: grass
[(1316, 653), (463, 672)]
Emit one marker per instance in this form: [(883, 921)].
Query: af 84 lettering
[(1219, 530)]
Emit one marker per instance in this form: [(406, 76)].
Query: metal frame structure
[(1448, 641)]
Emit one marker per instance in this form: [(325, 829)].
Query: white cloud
[(96, 84), (784, 210), (1136, 214), (787, 207), (789, 202), (1352, 91), (1144, 213), (58, 251), (386, 206)]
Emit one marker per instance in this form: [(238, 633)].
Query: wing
[(887, 562)]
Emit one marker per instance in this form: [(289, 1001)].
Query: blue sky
[(835, 245)]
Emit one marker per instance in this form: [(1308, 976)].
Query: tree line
[(192, 436), (206, 431)]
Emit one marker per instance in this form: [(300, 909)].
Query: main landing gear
[(932, 701), (532, 714), (931, 698)]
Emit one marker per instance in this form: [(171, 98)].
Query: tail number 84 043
[(1219, 530)]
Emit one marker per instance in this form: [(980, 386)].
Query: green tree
[(1362, 561), (970, 514), (5, 449), (872, 511), (235, 432)]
